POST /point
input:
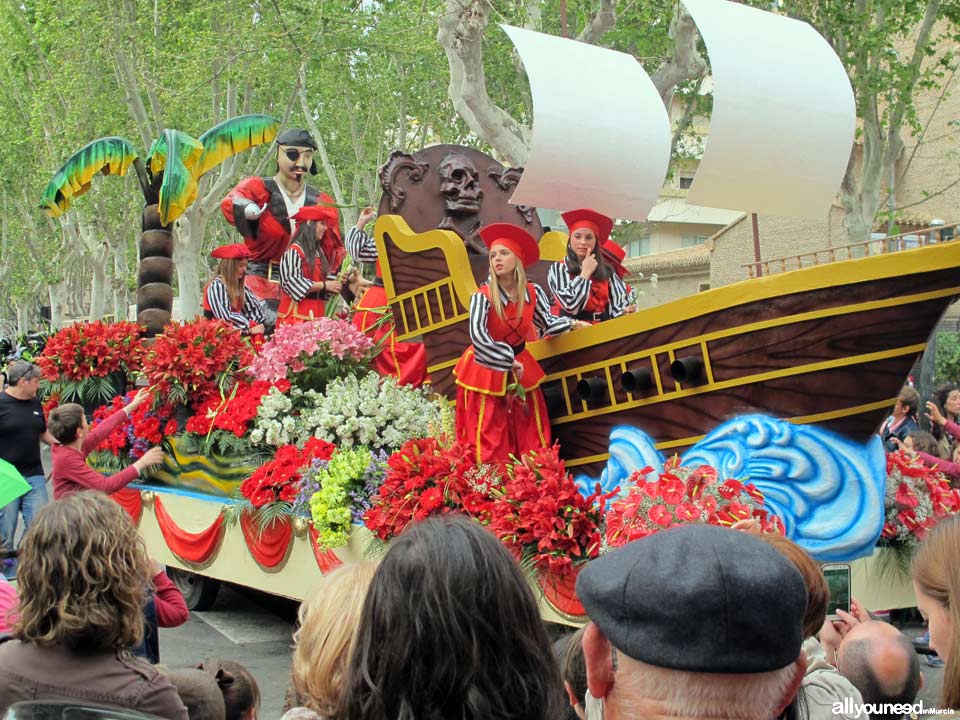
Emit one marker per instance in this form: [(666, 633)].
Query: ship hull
[(830, 344)]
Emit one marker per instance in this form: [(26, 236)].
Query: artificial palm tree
[(168, 178)]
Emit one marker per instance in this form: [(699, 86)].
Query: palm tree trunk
[(155, 274)]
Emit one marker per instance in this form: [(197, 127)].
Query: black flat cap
[(698, 598), (296, 137)]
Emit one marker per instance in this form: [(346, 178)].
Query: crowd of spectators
[(694, 621)]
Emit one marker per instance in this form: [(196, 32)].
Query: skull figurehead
[(460, 184)]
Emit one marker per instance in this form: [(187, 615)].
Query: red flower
[(660, 515)]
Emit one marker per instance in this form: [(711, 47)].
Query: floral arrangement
[(146, 427), (89, 362), (917, 498), (683, 495), (371, 411), (539, 514), (195, 361), (278, 480), (311, 354), (424, 478), (221, 422), (339, 482)]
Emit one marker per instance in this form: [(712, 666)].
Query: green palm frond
[(109, 155), (234, 136), (175, 154)]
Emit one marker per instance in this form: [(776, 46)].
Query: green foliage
[(947, 361)]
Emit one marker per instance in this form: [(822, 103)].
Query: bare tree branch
[(686, 62), (602, 21)]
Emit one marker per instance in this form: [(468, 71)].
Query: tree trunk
[(186, 256), (98, 291), (23, 319), (58, 300), (154, 292)]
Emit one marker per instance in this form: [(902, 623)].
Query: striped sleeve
[(292, 281), (489, 352), (362, 247), (546, 322), (252, 307), (618, 295), (571, 293), (219, 303)]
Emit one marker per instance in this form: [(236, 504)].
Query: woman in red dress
[(309, 268), (583, 285), (500, 407)]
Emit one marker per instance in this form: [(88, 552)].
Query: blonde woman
[(506, 313), (328, 622), (936, 581), (226, 298), (83, 579)]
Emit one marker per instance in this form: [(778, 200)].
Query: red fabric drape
[(192, 547), (561, 593), (269, 545), (129, 499), (327, 560)]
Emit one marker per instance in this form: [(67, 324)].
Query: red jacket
[(269, 235)]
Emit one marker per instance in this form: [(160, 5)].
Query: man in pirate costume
[(262, 210)]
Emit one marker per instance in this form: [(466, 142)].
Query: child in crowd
[(75, 440), (241, 694)]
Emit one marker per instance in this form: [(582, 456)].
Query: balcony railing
[(879, 246)]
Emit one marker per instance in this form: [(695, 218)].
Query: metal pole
[(756, 242)]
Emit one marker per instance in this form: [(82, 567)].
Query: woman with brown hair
[(226, 298), (328, 621), (83, 579), (936, 581)]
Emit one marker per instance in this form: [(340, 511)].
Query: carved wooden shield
[(456, 188)]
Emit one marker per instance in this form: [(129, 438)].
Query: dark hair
[(239, 688), (859, 670), (328, 248), (573, 263), (64, 422), (910, 399), (573, 668), (925, 442), (940, 394), (199, 693), (450, 629)]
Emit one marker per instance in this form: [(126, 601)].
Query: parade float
[(756, 400)]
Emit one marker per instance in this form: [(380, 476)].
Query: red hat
[(614, 254), (585, 217), (514, 238), (326, 213), (237, 251)]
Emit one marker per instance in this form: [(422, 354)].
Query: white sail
[(783, 116), (601, 135)]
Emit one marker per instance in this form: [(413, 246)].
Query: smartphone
[(838, 581)]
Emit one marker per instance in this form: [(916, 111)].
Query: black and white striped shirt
[(219, 302), (360, 246), (572, 293), (292, 280), (499, 355)]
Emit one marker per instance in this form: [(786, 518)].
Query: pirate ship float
[(827, 344)]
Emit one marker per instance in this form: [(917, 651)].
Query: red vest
[(515, 329), (310, 308)]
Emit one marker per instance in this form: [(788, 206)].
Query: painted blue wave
[(827, 490)]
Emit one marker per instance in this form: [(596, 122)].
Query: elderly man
[(876, 657), (695, 621), (22, 429)]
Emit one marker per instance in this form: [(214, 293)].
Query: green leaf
[(234, 136), (109, 155)]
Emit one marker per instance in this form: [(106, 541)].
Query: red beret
[(614, 254), (513, 237), (601, 223), (237, 251), (326, 213)]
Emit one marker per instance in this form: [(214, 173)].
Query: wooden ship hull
[(830, 344)]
